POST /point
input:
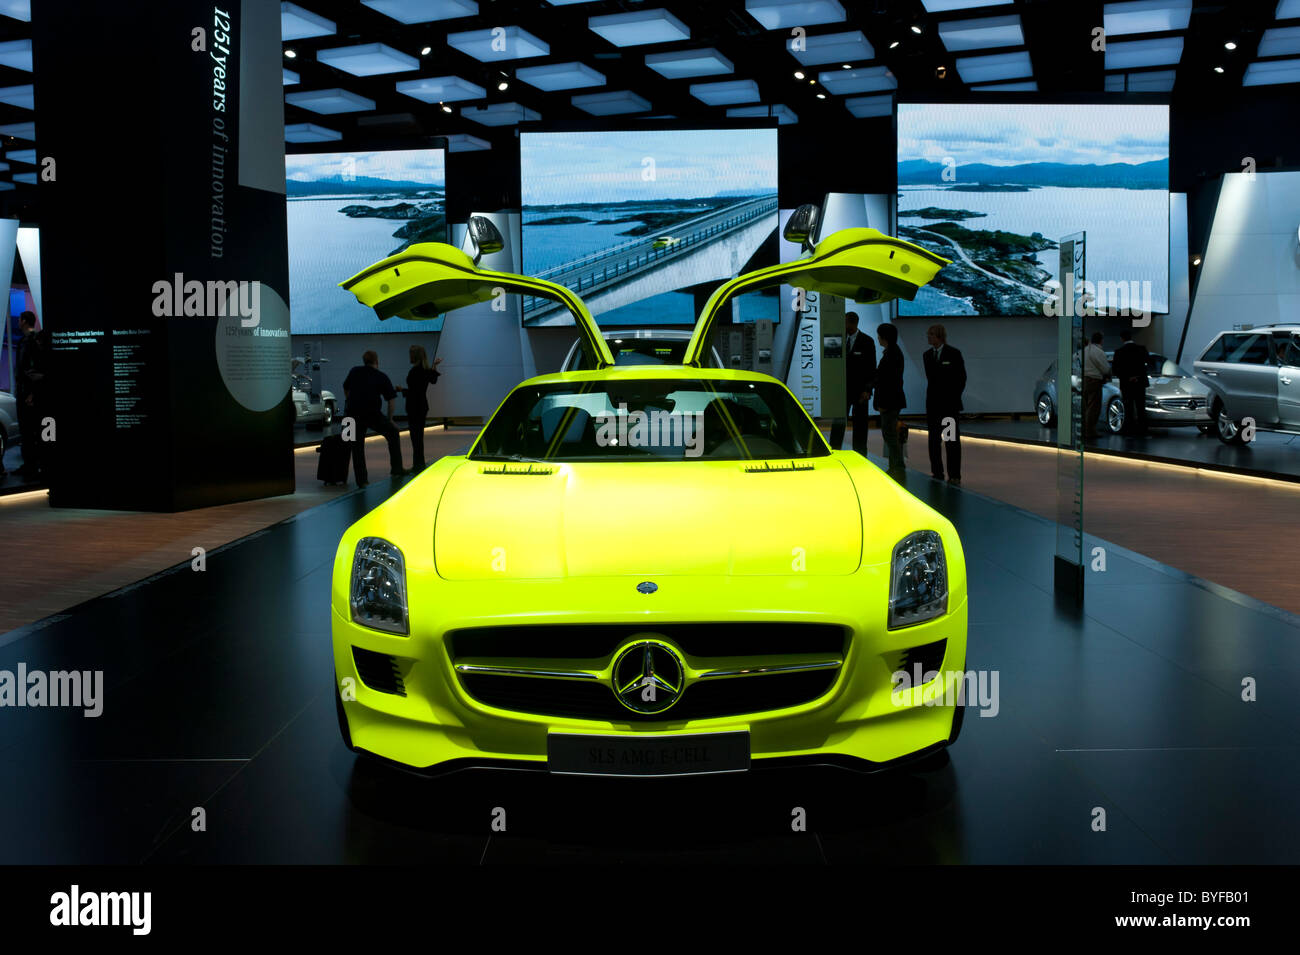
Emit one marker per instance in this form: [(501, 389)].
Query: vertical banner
[(805, 378), (165, 295)]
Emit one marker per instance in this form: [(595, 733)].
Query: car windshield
[(647, 351), (662, 419)]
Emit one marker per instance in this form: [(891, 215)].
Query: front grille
[(379, 671), (1183, 404), (598, 641), (593, 646), (707, 699)]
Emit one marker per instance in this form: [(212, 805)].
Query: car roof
[(646, 334), (1273, 327), (623, 372)]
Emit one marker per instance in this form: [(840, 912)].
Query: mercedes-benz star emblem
[(648, 676), (647, 587)]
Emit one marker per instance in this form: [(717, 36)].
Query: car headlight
[(378, 595), (918, 588)]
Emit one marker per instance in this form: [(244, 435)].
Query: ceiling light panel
[(27, 156), (831, 48), (726, 93), (1021, 86), (17, 54), (947, 6), (991, 69), (981, 34), (1287, 10), (784, 115), (297, 23), (613, 103), (329, 101), (1280, 41), (500, 114), (1271, 73), (498, 43), (785, 14), (867, 79), (19, 130), (290, 77), (639, 27), (423, 11), (687, 63), (20, 96), (1146, 16), (865, 107), (441, 89), (368, 59), (560, 76), (1134, 54), (310, 133), (465, 143)]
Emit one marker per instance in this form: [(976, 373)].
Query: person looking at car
[(890, 399), (1129, 366), (418, 380), (1096, 372), (30, 392), (859, 374), (945, 375), (364, 391)]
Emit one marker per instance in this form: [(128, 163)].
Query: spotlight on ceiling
[(445, 108), (941, 71), (1218, 69), (798, 74), (1229, 45), (821, 95), (290, 53), (895, 43), (845, 66), (1196, 260), (426, 51), (916, 28), (503, 86)]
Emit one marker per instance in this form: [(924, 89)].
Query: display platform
[(1271, 455), (217, 696)]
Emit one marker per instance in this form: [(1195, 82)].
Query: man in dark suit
[(890, 397), (365, 390), (860, 377), (945, 375), (1129, 366)]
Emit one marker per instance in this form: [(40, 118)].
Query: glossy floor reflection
[(217, 697)]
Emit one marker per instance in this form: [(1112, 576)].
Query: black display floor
[(217, 696), (1270, 455)]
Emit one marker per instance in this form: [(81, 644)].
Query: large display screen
[(995, 187), (636, 221), (347, 211)]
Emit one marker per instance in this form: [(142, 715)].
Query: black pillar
[(164, 250)]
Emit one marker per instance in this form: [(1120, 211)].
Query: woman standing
[(418, 380)]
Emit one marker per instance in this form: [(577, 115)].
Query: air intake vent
[(929, 656), (379, 671)]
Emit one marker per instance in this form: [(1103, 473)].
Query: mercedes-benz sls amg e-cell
[(648, 570)]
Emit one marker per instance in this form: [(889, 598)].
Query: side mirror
[(485, 237), (802, 225)]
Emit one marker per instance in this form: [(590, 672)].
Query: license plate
[(659, 755)]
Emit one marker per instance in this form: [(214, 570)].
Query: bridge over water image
[(669, 254)]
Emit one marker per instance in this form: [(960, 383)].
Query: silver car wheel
[(1044, 409), (1115, 416), (1227, 427)]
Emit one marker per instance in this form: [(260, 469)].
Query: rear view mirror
[(802, 225), (485, 237)]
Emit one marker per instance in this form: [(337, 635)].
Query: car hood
[(1176, 387), (521, 521)]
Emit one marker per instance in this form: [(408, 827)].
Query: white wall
[(1250, 273)]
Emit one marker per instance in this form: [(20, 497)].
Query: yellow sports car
[(648, 570)]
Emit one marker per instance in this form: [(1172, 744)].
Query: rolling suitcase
[(332, 468)]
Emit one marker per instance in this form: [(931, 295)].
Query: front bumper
[(437, 726)]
